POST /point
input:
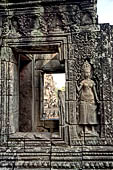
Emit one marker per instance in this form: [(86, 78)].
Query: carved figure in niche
[(88, 100)]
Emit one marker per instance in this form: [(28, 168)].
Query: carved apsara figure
[(88, 99)]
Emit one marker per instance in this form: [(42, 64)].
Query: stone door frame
[(62, 41)]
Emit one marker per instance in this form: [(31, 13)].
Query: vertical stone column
[(106, 43), (4, 99), (71, 97), (38, 96), (9, 93)]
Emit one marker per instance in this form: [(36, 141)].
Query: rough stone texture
[(50, 98), (57, 36), (25, 97)]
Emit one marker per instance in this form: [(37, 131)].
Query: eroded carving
[(86, 19), (24, 23), (56, 18), (88, 99)]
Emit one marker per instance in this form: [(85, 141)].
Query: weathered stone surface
[(53, 36)]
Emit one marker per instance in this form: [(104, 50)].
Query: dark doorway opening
[(33, 110), (25, 94)]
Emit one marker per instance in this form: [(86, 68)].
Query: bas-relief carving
[(101, 73), (5, 26), (87, 103), (86, 48), (55, 19), (86, 19), (62, 17)]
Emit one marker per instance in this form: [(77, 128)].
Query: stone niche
[(31, 68)]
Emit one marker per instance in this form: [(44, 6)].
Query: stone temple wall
[(55, 36)]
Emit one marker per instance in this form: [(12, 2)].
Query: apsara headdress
[(86, 66)]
